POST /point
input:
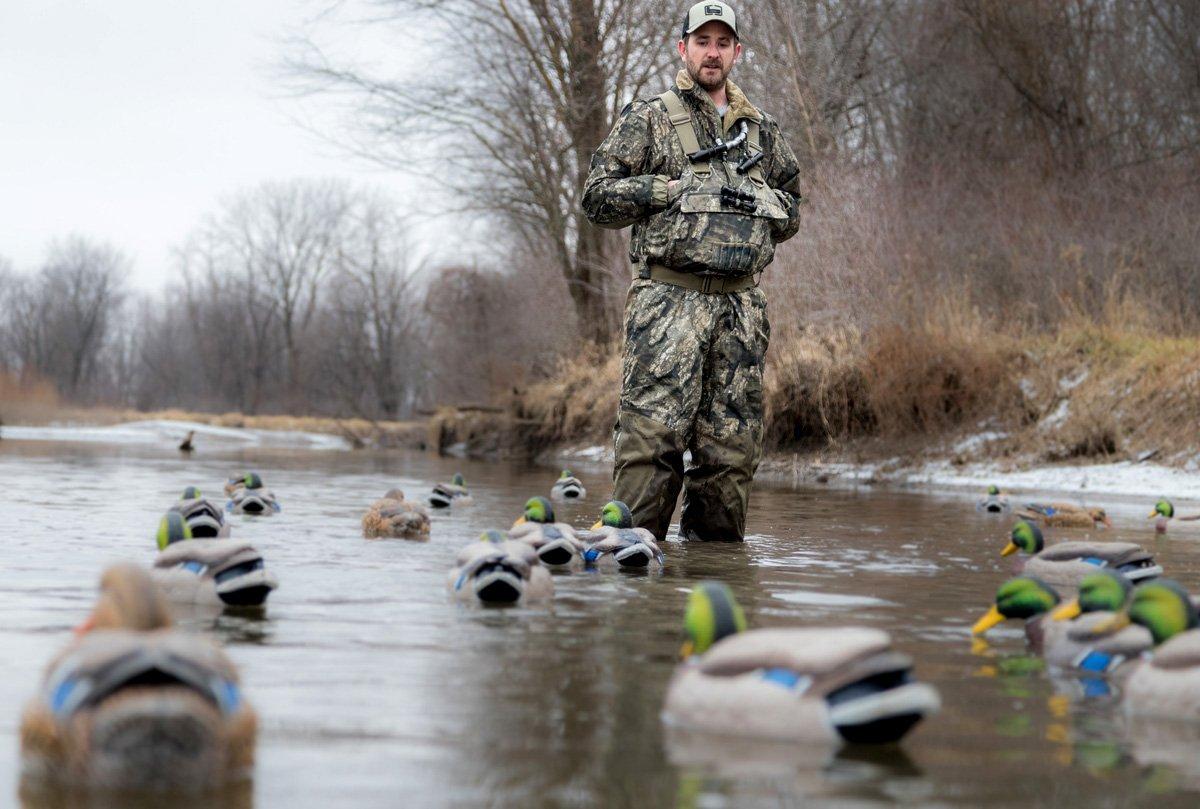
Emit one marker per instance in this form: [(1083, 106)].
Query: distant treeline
[(1017, 164)]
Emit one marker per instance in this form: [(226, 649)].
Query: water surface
[(375, 689)]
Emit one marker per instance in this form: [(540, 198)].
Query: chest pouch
[(721, 220)]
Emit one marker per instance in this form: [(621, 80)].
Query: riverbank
[(949, 401)]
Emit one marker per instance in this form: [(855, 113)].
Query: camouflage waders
[(695, 322), (692, 379)]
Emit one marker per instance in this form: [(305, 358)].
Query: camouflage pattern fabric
[(689, 229), (692, 379)]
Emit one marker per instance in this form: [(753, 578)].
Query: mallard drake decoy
[(1065, 564), (555, 542), (205, 518), (1064, 515), (567, 487), (497, 570), (613, 538), (1164, 512), (393, 516), (225, 573), (1021, 598), (1082, 645), (1167, 683), (186, 446), (1058, 631), (995, 502), (133, 704), (252, 497), (453, 492), (235, 482), (814, 684)]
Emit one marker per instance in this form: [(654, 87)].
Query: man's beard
[(696, 71)]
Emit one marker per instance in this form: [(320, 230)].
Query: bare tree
[(536, 89), (60, 319)]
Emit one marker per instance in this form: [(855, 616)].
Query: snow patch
[(976, 442), (168, 433), (1056, 418)]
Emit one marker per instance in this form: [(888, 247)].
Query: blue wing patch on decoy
[(1092, 560), (784, 677), (591, 555)]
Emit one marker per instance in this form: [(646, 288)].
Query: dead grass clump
[(933, 372), (814, 390), (1090, 432), (30, 400), (579, 402)]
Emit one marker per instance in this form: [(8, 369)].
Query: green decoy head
[(993, 490), (493, 536), (1163, 508), (459, 480), (566, 473), (172, 528), (1025, 537), (615, 514), (191, 493), (1163, 607), (253, 481), (1023, 597), (1102, 591), (539, 510), (712, 613)]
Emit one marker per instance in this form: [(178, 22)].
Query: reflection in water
[(375, 688)]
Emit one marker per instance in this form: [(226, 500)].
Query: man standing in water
[(710, 187)]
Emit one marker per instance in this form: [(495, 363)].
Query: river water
[(375, 689)]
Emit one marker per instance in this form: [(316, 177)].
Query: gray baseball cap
[(707, 11)]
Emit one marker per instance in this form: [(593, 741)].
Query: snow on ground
[(1125, 478), (170, 433)]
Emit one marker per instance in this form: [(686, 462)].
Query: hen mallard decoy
[(133, 704), (186, 446), (567, 487), (1164, 512), (1065, 564), (252, 497), (497, 570), (453, 492), (1166, 683), (225, 573), (205, 518), (815, 684), (1064, 515), (555, 543), (393, 516), (994, 502), (613, 539)]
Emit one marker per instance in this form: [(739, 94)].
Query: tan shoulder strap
[(681, 120), (753, 147)]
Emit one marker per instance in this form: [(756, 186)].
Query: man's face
[(709, 53)]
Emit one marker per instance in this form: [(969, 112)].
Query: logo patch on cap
[(713, 11)]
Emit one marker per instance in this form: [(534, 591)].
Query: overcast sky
[(128, 120)]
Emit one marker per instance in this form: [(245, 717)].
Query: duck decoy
[(252, 497), (567, 487), (994, 502), (555, 543), (393, 516), (1066, 563), (496, 570), (132, 703), (455, 491), (205, 518), (811, 684), (1064, 515), (613, 539), (226, 573)]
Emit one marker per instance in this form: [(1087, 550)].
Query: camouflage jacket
[(631, 168)]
